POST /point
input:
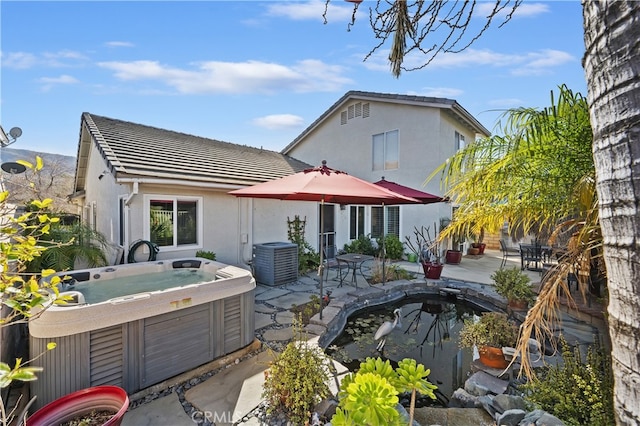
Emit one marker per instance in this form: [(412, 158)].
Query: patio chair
[(507, 252), (331, 263)]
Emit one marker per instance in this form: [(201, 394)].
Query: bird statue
[(386, 328)]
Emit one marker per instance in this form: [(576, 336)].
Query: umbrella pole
[(384, 254), (321, 267)]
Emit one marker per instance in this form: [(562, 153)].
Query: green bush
[(363, 245), (308, 258), (393, 247), (206, 254), (577, 392), (513, 284), (296, 380)]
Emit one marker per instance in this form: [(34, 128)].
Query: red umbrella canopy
[(424, 197), (324, 184)]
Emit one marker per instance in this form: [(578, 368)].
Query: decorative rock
[(326, 408), (508, 402), (549, 420), (510, 417), (480, 379), (487, 403), (474, 388), (463, 399), (404, 415)]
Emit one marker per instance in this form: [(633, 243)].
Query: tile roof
[(135, 151), (451, 105)]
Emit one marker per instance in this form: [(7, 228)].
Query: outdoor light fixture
[(6, 140)]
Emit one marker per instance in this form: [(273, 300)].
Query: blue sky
[(252, 72)]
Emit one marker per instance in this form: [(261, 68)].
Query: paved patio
[(234, 389)]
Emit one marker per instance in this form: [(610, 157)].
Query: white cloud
[(525, 10), (119, 44), (236, 77), (279, 121), (438, 92), (531, 63), (312, 10), (49, 82), (18, 60)]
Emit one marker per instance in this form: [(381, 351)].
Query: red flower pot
[(97, 398), (432, 270), (453, 256)]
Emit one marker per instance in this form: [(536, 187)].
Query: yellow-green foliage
[(19, 291), (370, 396)]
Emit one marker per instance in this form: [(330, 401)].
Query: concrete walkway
[(234, 389)]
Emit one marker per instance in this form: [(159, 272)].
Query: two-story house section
[(402, 138)]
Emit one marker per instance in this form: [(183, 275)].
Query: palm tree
[(611, 62), (68, 243), (530, 177)]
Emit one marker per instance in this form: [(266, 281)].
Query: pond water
[(428, 332)]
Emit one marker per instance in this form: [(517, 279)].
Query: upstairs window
[(385, 148), (459, 140)]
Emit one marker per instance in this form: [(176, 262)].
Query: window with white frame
[(356, 222), (385, 147), (391, 221), (460, 142), (174, 221)]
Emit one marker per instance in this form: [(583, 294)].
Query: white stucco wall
[(426, 140)]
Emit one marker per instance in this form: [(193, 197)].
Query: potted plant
[(454, 254), (515, 286), (427, 250), (105, 403), (489, 334), (478, 243)]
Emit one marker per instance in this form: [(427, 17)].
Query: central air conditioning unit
[(275, 263)]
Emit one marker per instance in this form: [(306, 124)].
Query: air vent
[(365, 110), (343, 117), (358, 109), (275, 263), (352, 111)]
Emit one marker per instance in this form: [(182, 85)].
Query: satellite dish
[(13, 168), (15, 132)]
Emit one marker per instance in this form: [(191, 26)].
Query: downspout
[(127, 216)]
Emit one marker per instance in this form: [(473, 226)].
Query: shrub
[(296, 380), (492, 329), (206, 254), (363, 245), (392, 246), (513, 284), (577, 393), (308, 258)]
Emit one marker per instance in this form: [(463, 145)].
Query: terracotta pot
[(480, 246), (473, 251), (432, 270), (453, 256), (97, 398), (492, 357)]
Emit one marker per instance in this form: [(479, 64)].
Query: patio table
[(354, 263)]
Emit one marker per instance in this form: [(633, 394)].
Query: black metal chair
[(508, 252), (331, 263)]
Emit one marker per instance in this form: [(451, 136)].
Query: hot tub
[(138, 324)]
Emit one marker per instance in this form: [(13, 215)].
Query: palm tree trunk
[(612, 68)]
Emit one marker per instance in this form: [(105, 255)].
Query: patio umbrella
[(323, 184), (424, 197)]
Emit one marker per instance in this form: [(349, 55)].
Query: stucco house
[(400, 138), (135, 182)]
